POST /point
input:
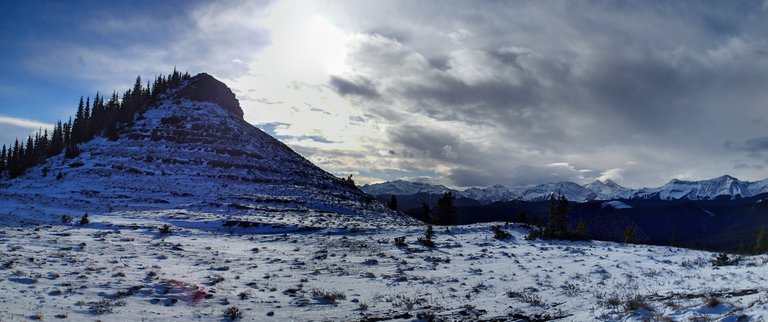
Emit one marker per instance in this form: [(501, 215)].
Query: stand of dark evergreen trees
[(557, 225), (94, 118)]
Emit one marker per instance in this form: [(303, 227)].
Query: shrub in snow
[(712, 301), (534, 234), (326, 296), (400, 241), (723, 260), (637, 303), (499, 233), (232, 313), (427, 239), (526, 296), (84, 220), (66, 219), (103, 306), (165, 229)]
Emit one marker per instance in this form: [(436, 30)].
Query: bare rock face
[(205, 88)]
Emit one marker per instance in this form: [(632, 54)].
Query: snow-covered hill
[(721, 187), (190, 150)]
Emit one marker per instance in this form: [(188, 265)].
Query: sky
[(461, 93)]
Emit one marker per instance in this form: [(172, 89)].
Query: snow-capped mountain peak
[(607, 189), (721, 187), (402, 187)]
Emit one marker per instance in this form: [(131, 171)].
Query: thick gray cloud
[(362, 88), (645, 89), (757, 144)]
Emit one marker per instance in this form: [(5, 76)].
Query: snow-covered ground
[(282, 268)]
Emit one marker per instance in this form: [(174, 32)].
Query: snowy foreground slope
[(120, 268)]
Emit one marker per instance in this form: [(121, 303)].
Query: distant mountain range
[(724, 187)]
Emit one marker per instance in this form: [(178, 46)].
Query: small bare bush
[(637, 303), (232, 313), (103, 306), (712, 301), (327, 296), (400, 241)]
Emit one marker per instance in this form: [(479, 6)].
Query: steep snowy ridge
[(608, 190), (192, 150), (570, 190), (721, 187), (492, 193)]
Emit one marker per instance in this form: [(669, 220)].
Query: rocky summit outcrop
[(204, 88)]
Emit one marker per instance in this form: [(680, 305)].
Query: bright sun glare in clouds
[(307, 46), (328, 44)]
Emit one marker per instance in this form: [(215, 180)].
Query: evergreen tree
[(446, 211), (57, 140), (67, 133), (629, 236), (427, 239), (761, 244), (70, 144), (392, 204), (29, 153), (557, 226), (95, 122), (86, 135), (111, 119), (425, 212), (522, 217), (78, 126), (147, 93), (581, 230), (14, 162), (45, 146), (3, 160), (72, 151)]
